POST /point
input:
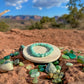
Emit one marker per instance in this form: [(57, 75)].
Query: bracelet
[(41, 44)]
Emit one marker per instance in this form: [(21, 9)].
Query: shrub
[(37, 25), (60, 25), (4, 27)]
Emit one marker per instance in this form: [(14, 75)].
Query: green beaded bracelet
[(44, 45)]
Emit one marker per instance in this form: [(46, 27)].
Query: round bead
[(12, 55), (16, 53), (7, 57), (41, 69)]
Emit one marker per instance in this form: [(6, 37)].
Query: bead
[(35, 74), (35, 80), (61, 48), (69, 64), (66, 51), (16, 53), (33, 70), (56, 62), (7, 57), (2, 61), (79, 52), (61, 75), (72, 56), (41, 66), (72, 52), (58, 67), (22, 46), (80, 59), (65, 57), (21, 64), (41, 69), (28, 67), (16, 62), (12, 55)]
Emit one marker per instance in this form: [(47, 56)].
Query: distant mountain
[(23, 17)]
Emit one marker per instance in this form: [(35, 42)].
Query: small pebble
[(69, 64), (65, 57), (61, 48), (16, 62), (28, 67), (21, 64)]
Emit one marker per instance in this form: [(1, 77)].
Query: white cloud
[(16, 3), (48, 3)]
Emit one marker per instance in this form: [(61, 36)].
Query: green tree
[(3, 26), (75, 14)]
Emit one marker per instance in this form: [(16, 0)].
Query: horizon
[(34, 7)]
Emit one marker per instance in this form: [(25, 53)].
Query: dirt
[(69, 39)]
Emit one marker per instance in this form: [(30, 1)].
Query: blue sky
[(34, 7)]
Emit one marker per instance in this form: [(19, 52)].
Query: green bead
[(12, 55), (41, 69), (56, 62), (7, 57), (41, 66), (80, 57), (61, 75), (16, 53), (72, 56), (22, 46), (35, 74), (21, 64), (35, 80), (66, 51), (79, 52), (80, 60), (2, 61), (28, 67), (72, 52), (61, 48), (69, 64), (16, 62), (33, 71), (65, 57), (58, 67), (83, 69)]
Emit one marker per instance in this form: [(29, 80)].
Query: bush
[(74, 23), (37, 25), (4, 27), (60, 25)]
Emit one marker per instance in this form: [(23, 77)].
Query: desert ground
[(10, 41)]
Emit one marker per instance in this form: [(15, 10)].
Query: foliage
[(47, 19), (75, 14), (3, 26), (37, 25)]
